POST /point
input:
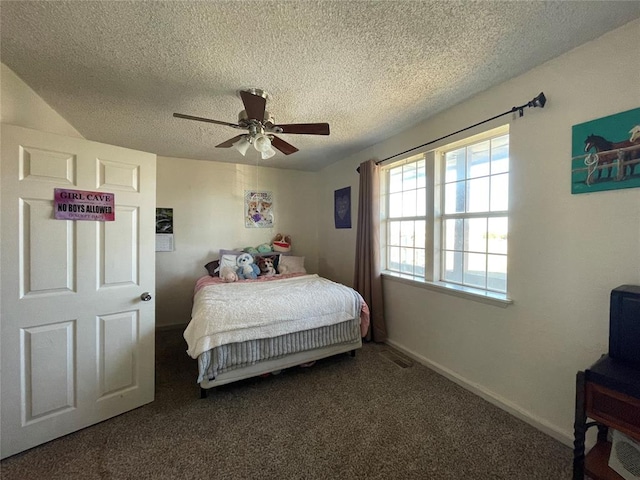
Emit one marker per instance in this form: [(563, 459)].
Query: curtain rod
[(538, 101)]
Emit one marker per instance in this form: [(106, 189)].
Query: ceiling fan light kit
[(261, 126), (242, 145), (268, 154), (261, 142)]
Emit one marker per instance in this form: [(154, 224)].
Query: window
[(474, 219), (407, 218), (445, 215)]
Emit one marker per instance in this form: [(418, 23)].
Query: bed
[(259, 326)]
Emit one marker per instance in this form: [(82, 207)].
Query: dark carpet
[(375, 416)]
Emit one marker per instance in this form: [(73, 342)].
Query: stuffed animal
[(281, 243), (228, 274), (264, 248), (266, 267), (213, 267), (246, 268)]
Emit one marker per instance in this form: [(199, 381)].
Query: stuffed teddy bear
[(281, 243), (228, 274), (266, 267), (246, 268)]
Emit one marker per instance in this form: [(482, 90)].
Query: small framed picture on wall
[(258, 209), (342, 207)]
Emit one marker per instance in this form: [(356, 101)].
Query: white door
[(77, 340)]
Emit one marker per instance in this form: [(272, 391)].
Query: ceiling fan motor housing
[(243, 118)]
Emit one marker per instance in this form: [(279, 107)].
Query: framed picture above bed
[(258, 209)]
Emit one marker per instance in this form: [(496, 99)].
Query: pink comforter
[(208, 280)]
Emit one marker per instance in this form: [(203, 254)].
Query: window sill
[(490, 298)]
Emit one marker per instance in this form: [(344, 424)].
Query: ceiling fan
[(261, 126)]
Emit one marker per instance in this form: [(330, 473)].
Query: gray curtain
[(367, 279)]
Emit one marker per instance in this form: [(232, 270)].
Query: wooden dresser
[(608, 393)]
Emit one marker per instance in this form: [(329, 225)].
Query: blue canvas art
[(605, 153), (342, 207)]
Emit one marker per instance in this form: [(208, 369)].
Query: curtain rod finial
[(538, 101)]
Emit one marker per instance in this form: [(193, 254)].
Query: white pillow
[(291, 264), (228, 260)]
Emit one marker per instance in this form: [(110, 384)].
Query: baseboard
[(553, 431)]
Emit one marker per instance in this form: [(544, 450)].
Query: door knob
[(145, 297)]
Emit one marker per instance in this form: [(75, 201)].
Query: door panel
[(47, 166), (45, 241), (119, 255), (48, 376), (118, 176), (119, 343), (77, 342)]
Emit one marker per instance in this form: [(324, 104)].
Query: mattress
[(237, 355)]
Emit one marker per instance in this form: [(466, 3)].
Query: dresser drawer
[(616, 409)]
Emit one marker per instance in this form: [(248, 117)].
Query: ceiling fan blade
[(230, 142), (208, 120), (283, 146), (254, 105), (305, 128)]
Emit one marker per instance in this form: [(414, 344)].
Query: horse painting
[(607, 152)]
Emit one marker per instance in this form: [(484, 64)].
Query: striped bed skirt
[(237, 355)]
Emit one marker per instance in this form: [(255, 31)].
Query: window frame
[(388, 220), (434, 163)]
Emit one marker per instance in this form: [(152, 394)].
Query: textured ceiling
[(117, 70)]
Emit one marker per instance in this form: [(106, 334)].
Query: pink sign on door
[(84, 205)]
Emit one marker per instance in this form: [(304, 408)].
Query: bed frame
[(267, 366)]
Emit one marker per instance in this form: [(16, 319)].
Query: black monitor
[(624, 324)]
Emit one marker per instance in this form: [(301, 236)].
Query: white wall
[(566, 252), (208, 208), (20, 105)]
